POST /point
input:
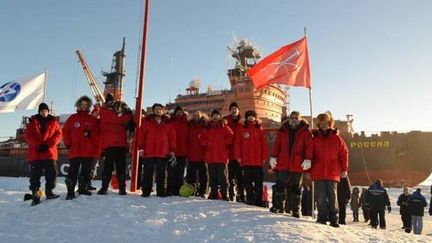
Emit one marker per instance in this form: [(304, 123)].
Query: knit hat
[(250, 113), (43, 106), (109, 97), (178, 108), (215, 112), (234, 104), (157, 105)]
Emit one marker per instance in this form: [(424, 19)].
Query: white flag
[(22, 94)]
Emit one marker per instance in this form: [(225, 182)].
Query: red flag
[(289, 65)]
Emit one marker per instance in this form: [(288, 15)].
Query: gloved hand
[(87, 133), (42, 148), (307, 164), (343, 174), (389, 209), (273, 163), (172, 162)]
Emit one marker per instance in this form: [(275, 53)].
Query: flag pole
[(139, 99), (45, 84), (312, 124)]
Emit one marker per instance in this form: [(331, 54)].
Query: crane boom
[(94, 86)]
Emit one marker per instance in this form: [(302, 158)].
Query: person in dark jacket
[(378, 200), (365, 205), (81, 137), (42, 135), (235, 172), (404, 209), (175, 173), (417, 204), (355, 203), (306, 201), (344, 195)]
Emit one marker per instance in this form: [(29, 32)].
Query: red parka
[(330, 156), (217, 137), (79, 145), (34, 137), (234, 124), (181, 127), (156, 139), (301, 149), (251, 145), (196, 150), (113, 128)]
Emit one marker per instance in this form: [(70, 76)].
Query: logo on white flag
[(22, 94), (9, 91)]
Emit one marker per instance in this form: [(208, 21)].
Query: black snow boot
[(82, 190), (70, 185), (50, 195), (224, 193), (122, 191), (35, 198), (278, 198)]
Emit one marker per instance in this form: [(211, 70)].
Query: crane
[(94, 86)]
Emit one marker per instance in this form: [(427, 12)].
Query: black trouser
[(356, 215), (279, 190), (253, 182), (366, 214), (86, 165), (150, 164), (342, 212), (117, 156), (140, 172), (176, 175), (36, 169), (235, 176), (200, 168), (374, 214), (293, 188), (406, 220), (218, 177), (326, 198)]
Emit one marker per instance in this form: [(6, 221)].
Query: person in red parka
[(329, 164), (157, 143), (291, 155), (217, 139), (81, 137), (251, 152), (180, 124), (42, 135), (235, 172), (196, 151), (116, 123)]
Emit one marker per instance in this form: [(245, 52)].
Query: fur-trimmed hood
[(151, 117), (285, 125), (318, 132)]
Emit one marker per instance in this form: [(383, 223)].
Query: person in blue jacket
[(378, 199), (417, 204)]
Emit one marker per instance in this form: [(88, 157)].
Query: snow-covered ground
[(131, 218)]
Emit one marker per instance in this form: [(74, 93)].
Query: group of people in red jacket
[(226, 154)]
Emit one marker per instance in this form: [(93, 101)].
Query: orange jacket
[(330, 156), (35, 137), (217, 137), (301, 149), (156, 139), (251, 145), (81, 146)]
